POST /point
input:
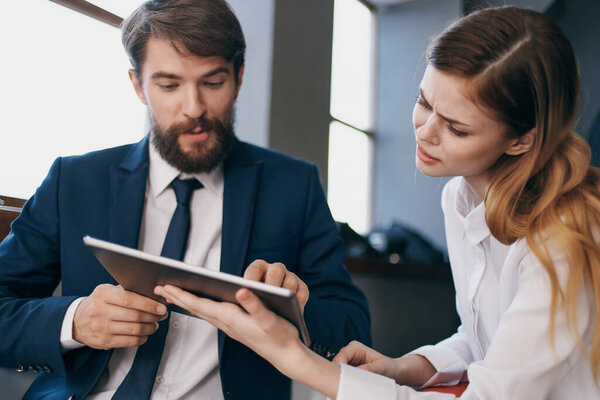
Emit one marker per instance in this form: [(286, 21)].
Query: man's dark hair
[(203, 27)]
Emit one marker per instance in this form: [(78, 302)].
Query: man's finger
[(123, 298), (256, 271), (291, 282), (302, 293), (121, 341), (116, 313), (132, 329), (276, 274)]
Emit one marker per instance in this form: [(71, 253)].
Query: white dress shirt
[(503, 345), (189, 365)]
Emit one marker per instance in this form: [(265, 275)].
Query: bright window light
[(65, 90), (349, 183), (349, 178), (352, 64)]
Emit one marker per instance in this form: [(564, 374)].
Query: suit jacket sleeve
[(30, 319), (337, 311)]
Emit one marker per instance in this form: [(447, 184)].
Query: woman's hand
[(269, 335), (412, 369), (257, 327)]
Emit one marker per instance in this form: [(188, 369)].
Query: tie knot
[(184, 189)]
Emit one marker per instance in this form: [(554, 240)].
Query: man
[(251, 204)]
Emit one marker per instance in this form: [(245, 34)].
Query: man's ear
[(522, 144), (239, 81), (137, 86)]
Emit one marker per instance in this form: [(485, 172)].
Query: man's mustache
[(204, 124)]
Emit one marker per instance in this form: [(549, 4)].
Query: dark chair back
[(10, 208)]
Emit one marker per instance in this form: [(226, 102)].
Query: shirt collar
[(161, 174), (471, 212)]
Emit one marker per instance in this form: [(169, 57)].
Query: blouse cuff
[(450, 369), (356, 383)]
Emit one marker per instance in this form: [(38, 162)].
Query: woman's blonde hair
[(522, 68)]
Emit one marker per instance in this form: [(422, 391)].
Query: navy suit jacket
[(273, 209)]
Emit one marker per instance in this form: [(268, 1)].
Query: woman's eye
[(456, 131)]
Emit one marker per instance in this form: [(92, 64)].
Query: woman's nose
[(429, 131)]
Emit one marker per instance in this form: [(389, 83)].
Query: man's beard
[(204, 156)]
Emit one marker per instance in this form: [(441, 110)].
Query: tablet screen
[(141, 272)]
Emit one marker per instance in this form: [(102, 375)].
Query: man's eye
[(214, 84), (170, 86)]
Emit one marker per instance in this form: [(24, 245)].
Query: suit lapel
[(241, 186), (241, 175), (127, 192)]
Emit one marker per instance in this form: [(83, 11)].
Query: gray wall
[(302, 80), (254, 101), (538, 5), (401, 192), (580, 19), (284, 100)]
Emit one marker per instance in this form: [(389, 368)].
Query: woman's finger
[(199, 306), (255, 307), (379, 367), (352, 354)]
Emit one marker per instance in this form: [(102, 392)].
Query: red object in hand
[(455, 390)]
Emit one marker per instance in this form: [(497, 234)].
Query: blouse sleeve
[(522, 362), (450, 357), (358, 384)]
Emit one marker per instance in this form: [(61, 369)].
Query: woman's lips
[(425, 157)]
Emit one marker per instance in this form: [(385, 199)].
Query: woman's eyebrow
[(450, 120)]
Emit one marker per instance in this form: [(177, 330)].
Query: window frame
[(91, 10)]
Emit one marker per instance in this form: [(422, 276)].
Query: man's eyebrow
[(167, 75), (450, 120), (216, 71)]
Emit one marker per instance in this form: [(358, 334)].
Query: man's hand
[(277, 274), (112, 317)]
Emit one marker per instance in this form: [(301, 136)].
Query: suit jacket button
[(21, 369)]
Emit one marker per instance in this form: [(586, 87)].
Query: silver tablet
[(140, 272)]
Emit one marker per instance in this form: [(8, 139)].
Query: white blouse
[(503, 345)]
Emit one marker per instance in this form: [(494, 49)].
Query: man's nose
[(193, 106)]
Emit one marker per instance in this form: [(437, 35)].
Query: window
[(65, 90), (350, 136)]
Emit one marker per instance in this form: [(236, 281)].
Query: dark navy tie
[(140, 379)]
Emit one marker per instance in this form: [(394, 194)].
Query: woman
[(496, 104)]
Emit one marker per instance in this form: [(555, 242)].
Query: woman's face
[(455, 137)]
